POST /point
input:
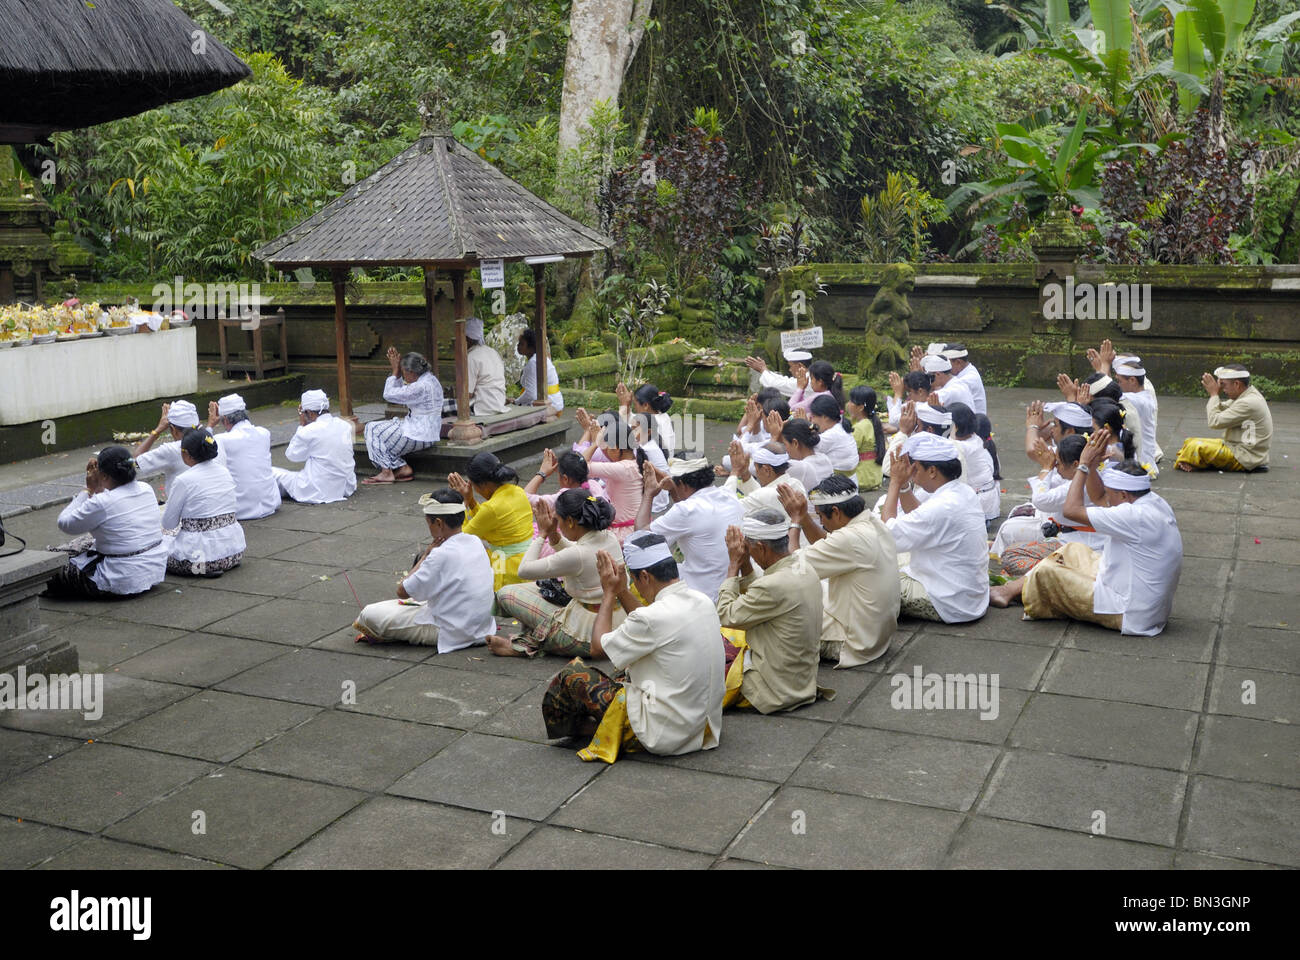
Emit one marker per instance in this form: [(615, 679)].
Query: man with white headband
[(798, 361), (324, 445), (775, 667), (1130, 375), (758, 477), (854, 554), (178, 418), (924, 418), (485, 373), (1103, 360), (248, 458), (944, 387), (946, 577), (964, 371), (1243, 417), (1130, 586), (671, 701), (446, 600), (696, 522)]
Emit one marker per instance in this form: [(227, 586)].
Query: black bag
[(553, 591), (10, 553)]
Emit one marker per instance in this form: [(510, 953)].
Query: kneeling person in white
[(946, 577), (671, 651), (447, 599), (248, 458), (1130, 586), (178, 418), (323, 444), (201, 509)]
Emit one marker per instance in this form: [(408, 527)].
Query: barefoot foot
[(502, 647), (1001, 596), (1185, 467)]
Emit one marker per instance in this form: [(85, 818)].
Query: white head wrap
[(435, 508), (1070, 413), (638, 557), (930, 448), (934, 363), (1119, 480), (474, 328), (754, 529), (955, 353), (936, 418), (1130, 367), (1101, 383), (797, 356), (315, 400), (229, 404), (181, 413), (1227, 373), (679, 468), (818, 498), (936, 349), (767, 457)]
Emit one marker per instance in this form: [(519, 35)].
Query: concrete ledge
[(448, 457), (24, 641)]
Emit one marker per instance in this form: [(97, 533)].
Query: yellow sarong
[(613, 734), (736, 673), (1207, 453), (1061, 586)]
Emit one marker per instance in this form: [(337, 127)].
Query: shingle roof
[(69, 63), (437, 201)]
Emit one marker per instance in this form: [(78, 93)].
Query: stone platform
[(227, 696), (24, 640)]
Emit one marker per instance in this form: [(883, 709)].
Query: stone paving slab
[(1263, 649), (877, 710), (198, 659), (320, 677), (1104, 730), (552, 848), (20, 750), (252, 818), (100, 853), (95, 785), (1083, 673), (1192, 640), (102, 643), (124, 699), (1252, 821), (1016, 665), (985, 844), (495, 774), (758, 747), (264, 577), (24, 844), (391, 833), (1242, 749), (450, 698), (295, 622), (1256, 694)]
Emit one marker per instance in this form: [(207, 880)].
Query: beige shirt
[(575, 562), (485, 381), (781, 614), (859, 563), (1247, 426)]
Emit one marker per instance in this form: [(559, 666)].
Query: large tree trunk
[(603, 39)]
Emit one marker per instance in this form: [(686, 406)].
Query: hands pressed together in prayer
[(394, 360), (550, 463), (214, 415), (547, 521), (757, 364), (613, 575), (739, 460), (1042, 454), (907, 419), (896, 384), (794, 503), (1102, 359), (902, 470), (737, 553), (653, 480), (915, 358), (774, 423), (1210, 383), (462, 486), (1095, 450), (94, 479)]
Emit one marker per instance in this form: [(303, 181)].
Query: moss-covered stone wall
[(1199, 317)]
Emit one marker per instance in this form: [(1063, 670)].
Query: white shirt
[(423, 401), (329, 473), (838, 446), (248, 458), (945, 537), (787, 385), (1048, 497), (1140, 564), (667, 435), (812, 470), (485, 381), (455, 583), (528, 380), (755, 497), (167, 461), (1141, 401), (655, 455), (977, 470), (955, 391), (975, 384), (672, 652), (123, 520), (699, 525), (204, 490)]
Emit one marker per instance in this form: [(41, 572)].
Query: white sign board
[(492, 273), (809, 338)]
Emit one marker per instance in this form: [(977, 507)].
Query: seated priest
[(774, 667), (248, 458), (323, 445), (446, 600), (485, 373), (1243, 416), (1130, 585), (669, 651)]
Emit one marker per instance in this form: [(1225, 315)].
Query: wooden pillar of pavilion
[(430, 324), (539, 334), (464, 430), (342, 347)]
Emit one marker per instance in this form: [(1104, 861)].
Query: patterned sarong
[(1206, 453), (1018, 559), (579, 694)]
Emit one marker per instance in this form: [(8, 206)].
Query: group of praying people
[(707, 586)]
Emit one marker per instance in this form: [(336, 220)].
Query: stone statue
[(887, 329)]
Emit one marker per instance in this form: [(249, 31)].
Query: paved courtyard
[(243, 727)]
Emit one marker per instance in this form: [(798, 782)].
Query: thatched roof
[(436, 203), (70, 63)]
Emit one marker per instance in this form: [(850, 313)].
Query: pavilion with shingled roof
[(440, 206)]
